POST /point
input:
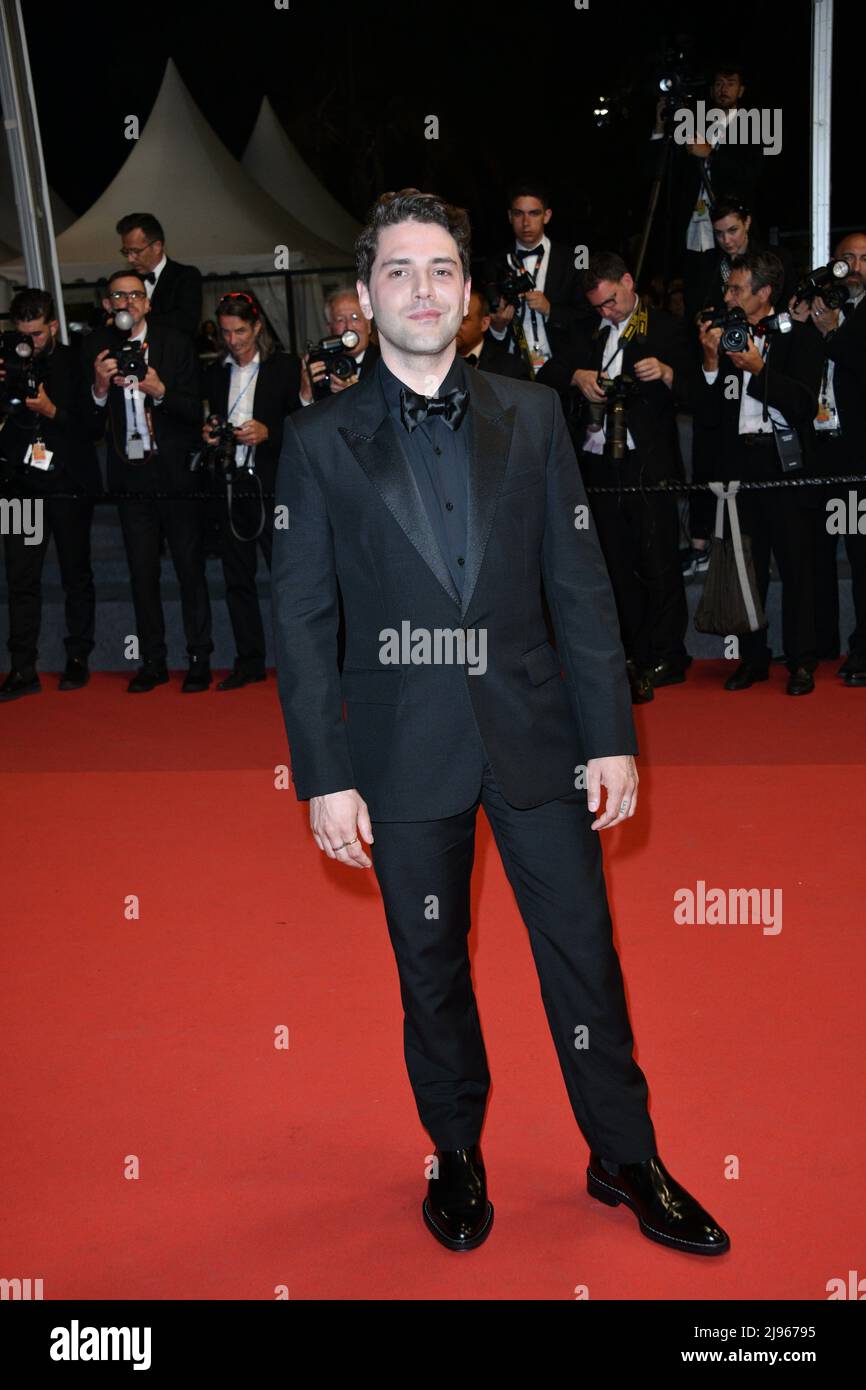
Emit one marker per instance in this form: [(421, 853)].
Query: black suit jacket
[(652, 407), (177, 420), (791, 378), (69, 435), (371, 357), (847, 349), (177, 298), (562, 288), (359, 526), (495, 358), (278, 381)]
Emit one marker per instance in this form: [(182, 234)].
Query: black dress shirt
[(439, 459)]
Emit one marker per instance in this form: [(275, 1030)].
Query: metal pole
[(25, 153), (822, 88)]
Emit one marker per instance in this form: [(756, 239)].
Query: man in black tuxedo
[(46, 449), (547, 312), (639, 531), (174, 290), (151, 425), (254, 388), (436, 499), (478, 350), (774, 381), (342, 315), (839, 438)]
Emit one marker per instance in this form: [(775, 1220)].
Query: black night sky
[(353, 84)]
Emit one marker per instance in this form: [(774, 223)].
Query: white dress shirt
[(134, 401), (828, 413), (242, 391), (752, 410), (539, 346), (699, 233), (594, 441), (150, 285)]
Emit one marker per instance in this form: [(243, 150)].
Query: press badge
[(827, 418), (135, 448), (38, 456)]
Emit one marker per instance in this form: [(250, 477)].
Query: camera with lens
[(334, 352), (618, 391), (678, 77), (734, 325), (218, 457), (22, 367), (130, 360), (508, 289), (826, 282)]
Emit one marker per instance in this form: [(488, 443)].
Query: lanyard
[(239, 397), (637, 323)]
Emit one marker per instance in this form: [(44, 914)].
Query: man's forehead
[(853, 244)]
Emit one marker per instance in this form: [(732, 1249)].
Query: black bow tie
[(539, 252), (451, 406), (150, 276), (471, 359)]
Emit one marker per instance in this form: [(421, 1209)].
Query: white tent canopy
[(272, 160)]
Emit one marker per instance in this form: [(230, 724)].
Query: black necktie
[(150, 276), (451, 406), (539, 252)]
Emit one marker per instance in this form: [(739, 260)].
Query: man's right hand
[(317, 370), (710, 339), (586, 380), (337, 818), (502, 318), (105, 367)]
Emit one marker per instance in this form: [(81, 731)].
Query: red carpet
[(153, 1039)]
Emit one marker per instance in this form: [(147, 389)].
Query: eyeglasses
[(346, 318), (128, 251), (127, 294)]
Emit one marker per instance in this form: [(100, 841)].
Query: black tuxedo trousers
[(554, 864)]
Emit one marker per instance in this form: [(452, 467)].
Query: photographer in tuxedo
[(437, 499), (45, 449), (478, 350), (174, 290), (342, 313), (547, 311), (773, 381), (253, 388), (151, 424), (645, 351)]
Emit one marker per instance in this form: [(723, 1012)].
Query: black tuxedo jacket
[(278, 382), (496, 358), (653, 406), (562, 288), (371, 357), (359, 527), (177, 298), (177, 420), (791, 378), (69, 434), (847, 349)]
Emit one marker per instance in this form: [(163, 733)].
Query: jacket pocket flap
[(541, 663)]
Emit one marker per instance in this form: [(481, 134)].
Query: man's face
[(344, 313), (239, 337), (732, 233), (475, 324), (613, 299), (853, 250), (528, 218), (739, 292), (417, 293), (42, 333), (726, 90), (128, 292), (142, 253)]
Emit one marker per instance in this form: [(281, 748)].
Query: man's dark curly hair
[(409, 205)]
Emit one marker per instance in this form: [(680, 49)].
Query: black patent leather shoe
[(800, 682), (19, 683), (237, 678), (456, 1208), (665, 673), (666, 1213), (744, 676), (198, 677), (641, 684), (146, 678), (76, 674), (853, 669)]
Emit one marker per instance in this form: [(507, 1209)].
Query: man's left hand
[(825, 320), (619, 776), (651, 369), (537, 299), (749, 361), (41, 404), (151, 385), (251, 432)]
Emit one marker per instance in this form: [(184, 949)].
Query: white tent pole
[(822, 89), (25, 153)]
